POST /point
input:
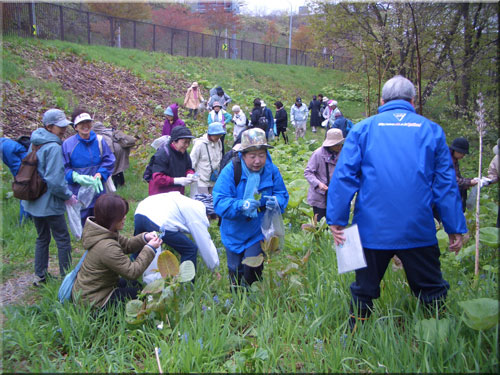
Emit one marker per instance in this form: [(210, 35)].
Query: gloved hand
[(484, 181), (193, 177), (249, 208), (98, 185), (183, 181), (83, 180), (271, 202)]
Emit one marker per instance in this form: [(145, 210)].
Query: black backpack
[(232, 156), (28, 185), (148, 172), (262, 122)]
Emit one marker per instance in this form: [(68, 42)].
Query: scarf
[(253, 181)]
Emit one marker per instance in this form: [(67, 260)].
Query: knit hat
[(216, 128), (180, 132), (55, 117), (461, 145), (169, 112), (333, 137), (251, 140)]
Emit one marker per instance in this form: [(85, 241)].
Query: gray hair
[(398, 87)]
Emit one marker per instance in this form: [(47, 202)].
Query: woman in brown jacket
[(102, 276)]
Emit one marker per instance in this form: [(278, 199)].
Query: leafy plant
[(480, 313)]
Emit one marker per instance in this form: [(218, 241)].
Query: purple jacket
[(176, 121), (316, 172)]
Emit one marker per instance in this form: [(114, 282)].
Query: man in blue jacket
[(399, 165)]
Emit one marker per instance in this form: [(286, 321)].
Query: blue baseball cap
[(55, 117), (216, 128)]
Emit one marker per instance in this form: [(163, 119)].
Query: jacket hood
[(175, 110), (91, 139), (93, 233), (41, 136)]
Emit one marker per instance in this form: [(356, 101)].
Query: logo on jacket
[(400, 116)]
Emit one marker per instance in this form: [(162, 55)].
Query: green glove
[(98, 185), (83, 180)]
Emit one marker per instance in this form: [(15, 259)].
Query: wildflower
[(319, 345), (228, 302), (200, 341), (216, 299), (185, 337)]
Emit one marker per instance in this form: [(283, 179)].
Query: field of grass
[(295, 320)]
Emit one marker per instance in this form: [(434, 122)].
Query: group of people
[(396, 163)]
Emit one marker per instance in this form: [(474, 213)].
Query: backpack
[(232, 156), (148, 172), (124, 140), (262, 121), (28, 185)]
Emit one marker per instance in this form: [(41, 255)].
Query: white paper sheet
[(350, 255)]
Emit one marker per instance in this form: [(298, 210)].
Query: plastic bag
[(159, 142), (271, 136), (471, 199), (152, 273), (272, 224), (75, 223), (85, 195)]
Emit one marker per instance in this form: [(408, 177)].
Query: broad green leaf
[(296, 197), (489, 236), (254, 261), (187, 271), (168, 264), (469, 250), (480, 313), (261, 354), (443, 239), (489, 268), (295, 281), (432, 330), (288, 269), (154, 287), (299, 184), (187, 308), (133, 307)]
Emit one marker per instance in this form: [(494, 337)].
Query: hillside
[(123, 87)]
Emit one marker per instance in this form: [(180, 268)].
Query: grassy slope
[(283, 326)]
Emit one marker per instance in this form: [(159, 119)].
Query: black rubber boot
[(357, 318), (252, 274)]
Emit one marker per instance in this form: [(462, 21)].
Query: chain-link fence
[(53, 21)]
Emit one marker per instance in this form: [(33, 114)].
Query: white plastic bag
[(272, 224), (159, 142), (471, 199), (152, 273), (75, 223), (85, 195)]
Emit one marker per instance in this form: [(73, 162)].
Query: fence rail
[(53, 21)]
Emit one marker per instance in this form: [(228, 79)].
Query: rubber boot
[(252, 274), (359, 318)]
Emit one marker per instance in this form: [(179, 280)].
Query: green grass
[(297, 323)]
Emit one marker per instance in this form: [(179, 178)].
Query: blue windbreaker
[(12, 154), (84, 157), (51, 169), (399, 165), (237, 231)]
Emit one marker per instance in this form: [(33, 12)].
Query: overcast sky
[(267, 6)]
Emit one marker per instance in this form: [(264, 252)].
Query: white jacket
[(299, 115), (240, 123), (178, 213), (201, 161)]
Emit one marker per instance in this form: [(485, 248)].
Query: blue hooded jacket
[(399, 165), (51, 169), (12, 154), (84, 157), (237, 231)]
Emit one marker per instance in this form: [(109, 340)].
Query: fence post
[(111, 32), (187, 48), (88, 28), (265, 50), (135, 35), (253, 51), (154, 37), (241, 50), (202, 44), (305, 63), (171, 42), (276, 56), (295, 57), (61, 22)]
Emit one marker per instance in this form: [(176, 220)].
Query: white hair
[(398, 87)]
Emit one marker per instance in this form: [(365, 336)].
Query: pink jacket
[(316, 172)]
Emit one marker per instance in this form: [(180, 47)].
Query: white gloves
[(484, 181), (183, 181)]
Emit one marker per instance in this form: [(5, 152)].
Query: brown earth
[(113, 94)]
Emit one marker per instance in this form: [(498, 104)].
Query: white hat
[(82, 117)]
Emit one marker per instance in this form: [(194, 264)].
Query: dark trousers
[(423, 271), (193, 113), (321, 212), (127, 289), (237, 270), (282, 131), (176, 240), (45, 226)]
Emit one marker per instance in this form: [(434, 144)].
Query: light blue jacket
[(239, 232), (51, 169), (399, 165)]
